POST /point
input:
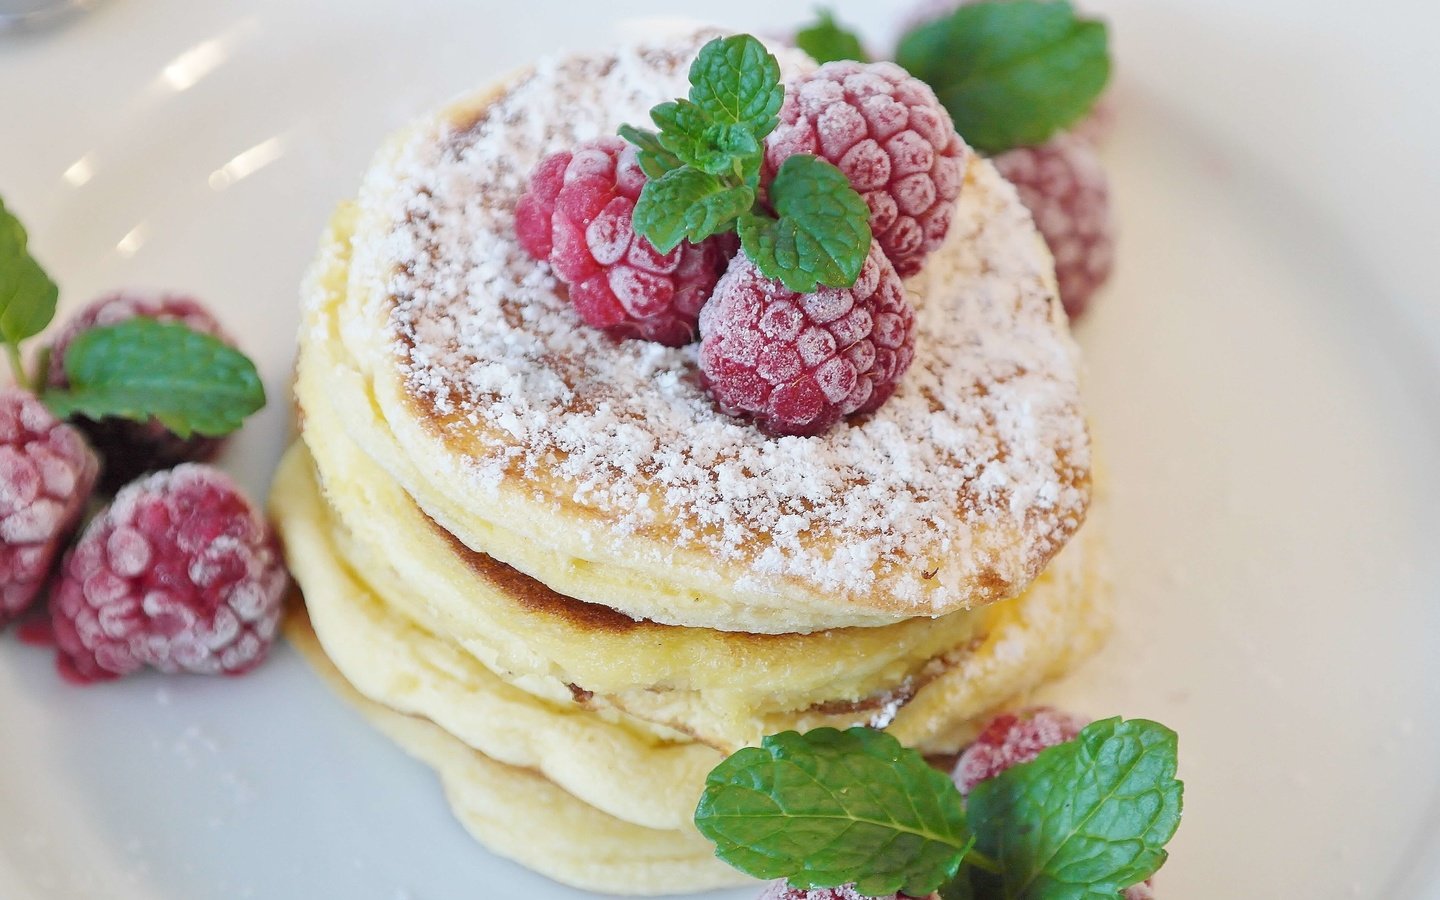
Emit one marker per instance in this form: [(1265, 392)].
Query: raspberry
[(781, 890), (798, 363), (180, 573), (1011, 739), (1014, 738), (886, 131), (1063, 184), (576, 214), (46, 475), (131, 449)]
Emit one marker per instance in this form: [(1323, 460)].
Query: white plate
[(1263, 381)]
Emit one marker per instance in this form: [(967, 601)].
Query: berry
[(46, 475), (130, 449), (576, 213), (798, 363), (886, 131), (1011, 739), (1064, 186), (781, 890), (1014, 738), (180, 573)]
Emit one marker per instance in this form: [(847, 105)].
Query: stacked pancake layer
[(538, 557)]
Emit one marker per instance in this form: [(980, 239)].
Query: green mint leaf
[(654, 159), (831, 807), (1084, 819), (1011, 74), (689, 135), (736, 81), (27, 295), (822, 235), (142, 368), (828, 40), (688, 204)]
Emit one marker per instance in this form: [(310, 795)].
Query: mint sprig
[(1087, 818), (703, 167), (143, 368), (827, 40), (1084, 819), (27, 295), (1011, 72), (833, 807), (822, 234)]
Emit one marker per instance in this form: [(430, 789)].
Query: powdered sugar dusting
[(984, 434)]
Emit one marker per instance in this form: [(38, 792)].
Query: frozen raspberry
[(886, 131), (1063, 184), (46, 475), (797, 363), (130, 449), (576, 214), (781, 890), (1011, 739), (180, 573)]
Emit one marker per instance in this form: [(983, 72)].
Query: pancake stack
[(545, 563)]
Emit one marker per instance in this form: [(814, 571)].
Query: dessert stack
[(572, 558)]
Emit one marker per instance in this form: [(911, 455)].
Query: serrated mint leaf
[(1087, 818), (822, 234), (687, 204), (27, 295), (736, 81), (654, 159), (828, 40), (142, 368), (832, 807), (1011, 74)]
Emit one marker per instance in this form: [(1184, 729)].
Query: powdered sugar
[(984, 432)]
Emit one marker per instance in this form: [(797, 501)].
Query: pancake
[(602, 471), (395, 653), (521, 815)]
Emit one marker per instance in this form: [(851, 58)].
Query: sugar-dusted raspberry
[(180, 573), (1064, 186), (130, 449), (46, 475), (1011, 739), (886, 131), (781, 890), (576, 214), (797, 363)]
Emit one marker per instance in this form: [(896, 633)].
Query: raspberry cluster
[(794, 363), (179, 573)]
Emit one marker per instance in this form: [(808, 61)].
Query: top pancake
[(601, 468)]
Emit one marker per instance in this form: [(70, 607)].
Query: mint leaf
[(688, 204), (142, 368), (822, 235), (831, 807), (27, 295), (1011, 73), (654, 159), (1084, 819), (736, 81), (827, 40)]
